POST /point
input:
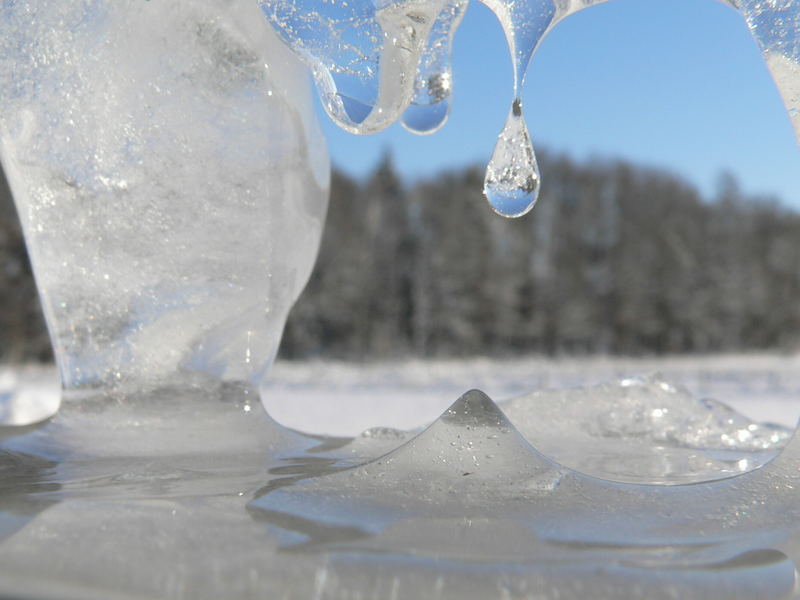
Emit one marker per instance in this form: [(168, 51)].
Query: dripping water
[(376, 64), (430, 106), (512, 179), (512, 176)]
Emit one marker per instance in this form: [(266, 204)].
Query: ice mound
[(469, 499), (473, 438), (637, 430), (644, 430), (471, 458)]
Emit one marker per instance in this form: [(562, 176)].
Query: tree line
[(23, 335), (615, 258)]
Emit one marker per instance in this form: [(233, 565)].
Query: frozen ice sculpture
[(171, 183)]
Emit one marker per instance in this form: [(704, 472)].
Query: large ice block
[(171, 182)]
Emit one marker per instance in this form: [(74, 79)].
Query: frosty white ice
[(171, 182)]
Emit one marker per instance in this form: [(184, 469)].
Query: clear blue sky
[(676, 84)]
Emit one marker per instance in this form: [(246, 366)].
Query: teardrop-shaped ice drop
[(512, 176), (433, 85), (424, 119)]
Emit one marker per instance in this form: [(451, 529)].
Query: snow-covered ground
[(344, 398), (338, 398)]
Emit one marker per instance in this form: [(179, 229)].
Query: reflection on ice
[(199, 493), (469, 491)]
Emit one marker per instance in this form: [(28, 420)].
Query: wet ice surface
[(644, 430), (197, 493), (343, 399), (633, 429)]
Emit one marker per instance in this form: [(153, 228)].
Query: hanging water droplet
[(424, 119), (433, 84), (512, 176), (431, 105)]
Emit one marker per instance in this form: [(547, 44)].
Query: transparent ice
[(376, 47), (430, 105), (171, 183)]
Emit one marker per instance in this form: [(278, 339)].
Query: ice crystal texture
[(170, 179), (364, 55), (775, 24), (644, 430)]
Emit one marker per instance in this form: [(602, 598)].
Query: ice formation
[(377, 61), (172, 203), (197, 493), (428, 514), (644, 430)]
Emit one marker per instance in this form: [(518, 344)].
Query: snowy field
[(344, 398)]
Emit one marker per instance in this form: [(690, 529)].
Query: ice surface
[(342, 399), (644, 430), (197, 493), (637, 430), (470, 487), (170, 179), (786, 72)]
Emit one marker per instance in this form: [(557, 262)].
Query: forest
[(615, 258)]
